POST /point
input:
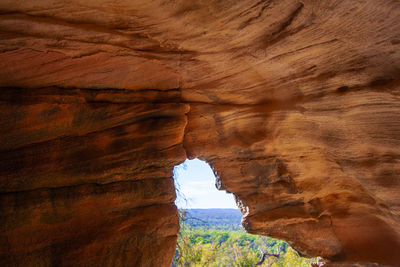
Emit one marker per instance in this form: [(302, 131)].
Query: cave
[(294, 103)]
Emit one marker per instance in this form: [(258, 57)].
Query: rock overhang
[(294, 103)]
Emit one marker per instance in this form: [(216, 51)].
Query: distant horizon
[(195, 183)]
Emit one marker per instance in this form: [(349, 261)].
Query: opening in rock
[(211, 233)]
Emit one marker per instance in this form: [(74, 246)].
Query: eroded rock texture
[(294, 103)]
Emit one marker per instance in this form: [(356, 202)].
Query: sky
[(196, 182)]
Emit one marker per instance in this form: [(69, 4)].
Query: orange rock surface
[(296, 105)]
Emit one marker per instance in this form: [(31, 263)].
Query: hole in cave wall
[(197, 187), (211, 233)]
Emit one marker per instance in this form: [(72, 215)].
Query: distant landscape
[(215, 237), (220, 219)]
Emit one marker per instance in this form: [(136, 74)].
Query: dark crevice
[(281, 32), (250, 20), (342, 89)]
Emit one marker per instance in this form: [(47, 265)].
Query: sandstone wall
[(294, 103)]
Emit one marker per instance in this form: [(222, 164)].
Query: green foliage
[(211, 245)]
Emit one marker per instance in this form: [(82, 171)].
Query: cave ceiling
[(295, 104)]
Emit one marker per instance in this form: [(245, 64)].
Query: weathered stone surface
[(86, 180), (294, 103)]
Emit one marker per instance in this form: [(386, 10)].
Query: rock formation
[(296, 104)]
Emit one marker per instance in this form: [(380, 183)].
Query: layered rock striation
[(296, 104)]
